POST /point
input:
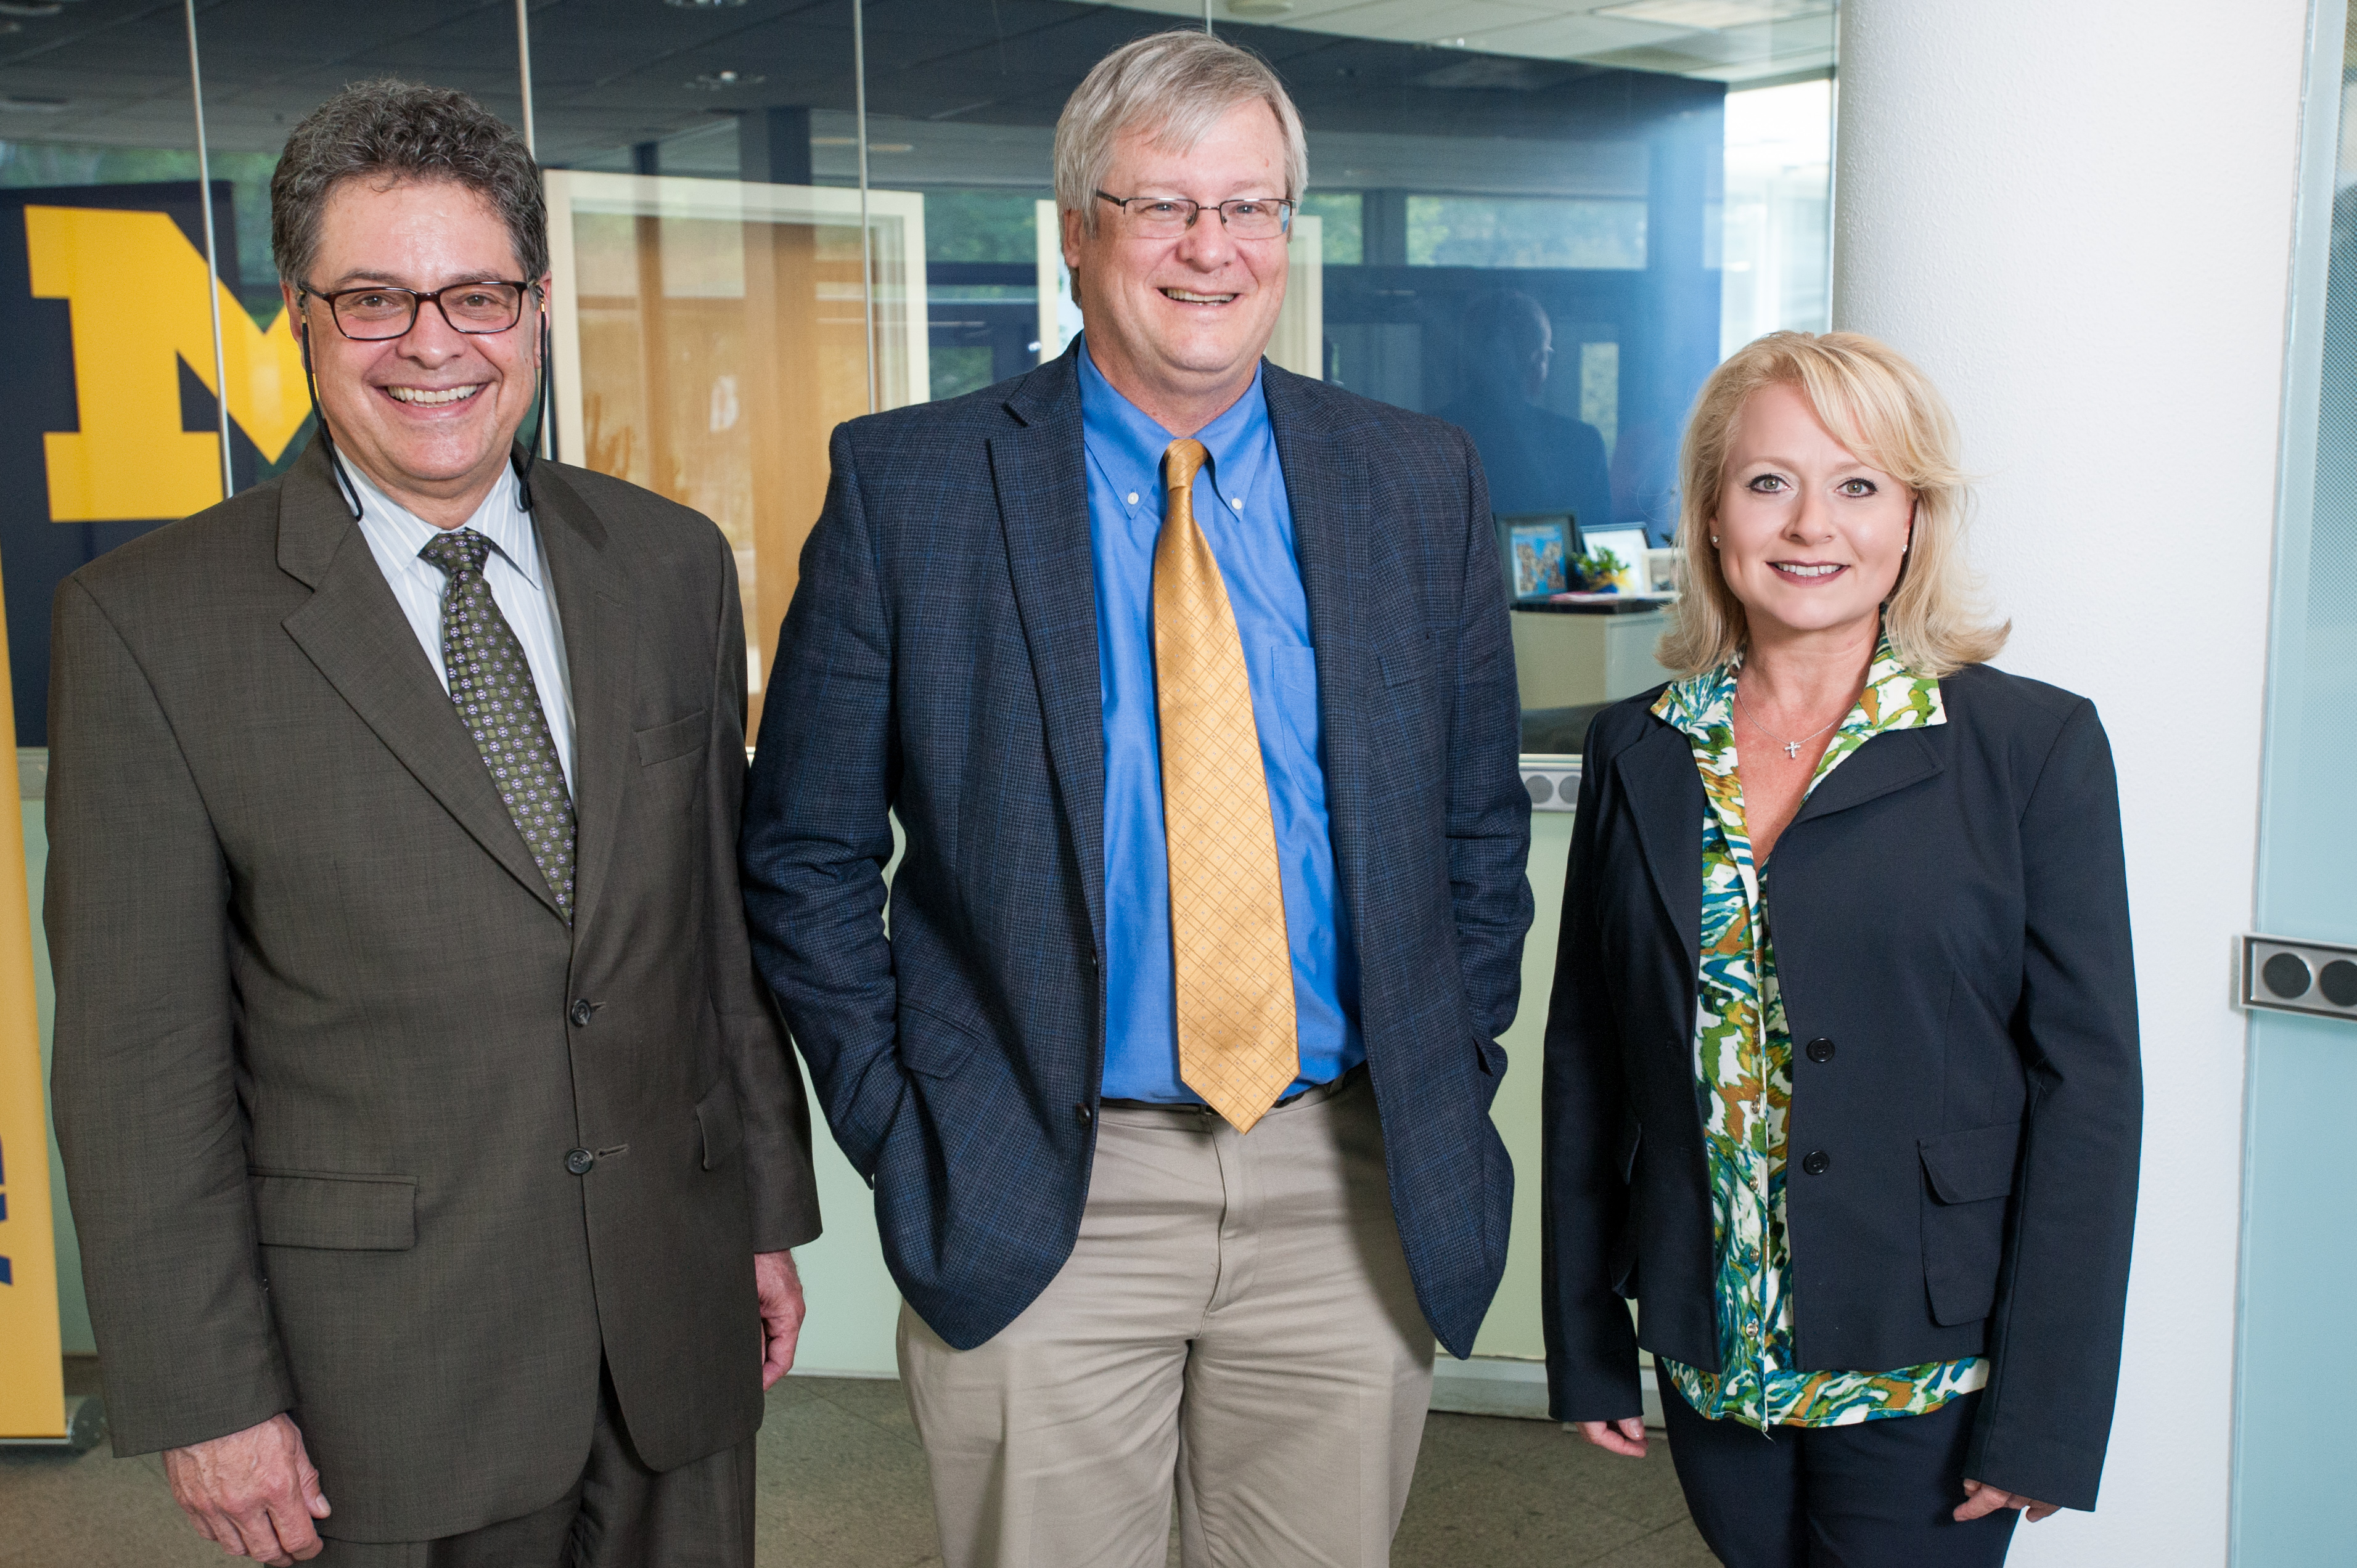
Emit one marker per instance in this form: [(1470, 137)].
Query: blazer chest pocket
[(676, 738), (1968, 1177), (331, 1209)]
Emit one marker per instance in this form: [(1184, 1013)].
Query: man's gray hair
[(392, 131), (1175, 86)]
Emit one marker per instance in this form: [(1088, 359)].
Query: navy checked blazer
[(939, 666)]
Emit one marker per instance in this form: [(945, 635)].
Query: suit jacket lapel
[(1886, 762), (1665, 798), (353, 630), (1324, 494), (593, 606), (1041, 478)]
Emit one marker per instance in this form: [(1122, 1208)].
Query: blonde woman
[(1842, 1077)]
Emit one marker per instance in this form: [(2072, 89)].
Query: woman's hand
[(1625, 1437), (1985, 1499)]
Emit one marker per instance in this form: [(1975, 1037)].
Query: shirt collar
[(1128, 445), (1895, 698), (500, 518)]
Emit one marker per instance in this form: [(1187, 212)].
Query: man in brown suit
[(435, 1150)]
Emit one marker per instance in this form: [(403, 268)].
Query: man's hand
[(253, 1493), (1985, 1499), (780, 1290), (1625, 1437)]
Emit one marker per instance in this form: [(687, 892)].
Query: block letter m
[(137, 290)]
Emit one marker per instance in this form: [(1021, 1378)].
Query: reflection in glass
[(1537, 460)]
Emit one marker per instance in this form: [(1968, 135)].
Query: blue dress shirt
[(1241, 505)]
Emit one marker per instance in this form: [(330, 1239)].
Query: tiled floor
[(843, 1486)]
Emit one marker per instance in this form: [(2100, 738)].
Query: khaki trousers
[(1236, 1321), (619, 1514)]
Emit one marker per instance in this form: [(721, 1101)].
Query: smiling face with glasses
[(1182, 281), (423, 342)]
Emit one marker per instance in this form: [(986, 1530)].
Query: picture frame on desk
[(1627, 545), (1537, 550)]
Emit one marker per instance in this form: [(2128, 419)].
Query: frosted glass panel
[(720, 333)]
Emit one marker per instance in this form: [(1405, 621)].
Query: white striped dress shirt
[(516, 570)]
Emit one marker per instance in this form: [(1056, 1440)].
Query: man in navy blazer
[(1112, 1289)]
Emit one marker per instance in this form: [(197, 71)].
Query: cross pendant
[(1792, 748)]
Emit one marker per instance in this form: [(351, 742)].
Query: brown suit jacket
[(324, 1042)]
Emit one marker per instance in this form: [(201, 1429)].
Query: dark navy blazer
[(1952, 938), (939, 663)]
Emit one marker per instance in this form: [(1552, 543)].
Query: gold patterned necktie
[(1230, 964)]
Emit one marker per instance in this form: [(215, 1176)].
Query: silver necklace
[(1791, 748)]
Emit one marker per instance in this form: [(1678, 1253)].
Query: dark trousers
[(1875, 1495), (619, 1514)]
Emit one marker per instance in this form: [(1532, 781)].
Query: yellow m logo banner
[(136, 291)]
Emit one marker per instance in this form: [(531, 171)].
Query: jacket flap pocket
[(722, 1122), (931, 1043), (676, 738), (1974, 1165), (326, 1208)]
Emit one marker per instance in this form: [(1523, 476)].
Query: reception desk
[(1567, 658)]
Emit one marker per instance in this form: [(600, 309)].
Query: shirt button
[(1132, 497), (1821, 1049), (1238, 503), (1818, 1163), (578, 1161), (581, 1011)]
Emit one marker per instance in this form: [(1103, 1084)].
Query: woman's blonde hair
[(1889, 415)]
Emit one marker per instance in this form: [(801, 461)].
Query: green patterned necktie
[(491, 684)]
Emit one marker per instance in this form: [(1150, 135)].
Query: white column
[(2077, 215)]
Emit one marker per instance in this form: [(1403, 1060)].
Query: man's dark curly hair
[(390, 131)]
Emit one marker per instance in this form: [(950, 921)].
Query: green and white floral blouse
[(1743, 1066)]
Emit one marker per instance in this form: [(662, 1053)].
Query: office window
[(1546, 221)]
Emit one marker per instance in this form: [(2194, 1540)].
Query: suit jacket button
[(581, 1011), (1084, 1113), (1818, 1163), (578, 1161), (1821, 1049)]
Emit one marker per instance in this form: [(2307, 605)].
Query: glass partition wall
[(1544, 220)]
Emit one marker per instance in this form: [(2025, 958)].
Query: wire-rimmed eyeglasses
[(1167, 217), (379, 311)]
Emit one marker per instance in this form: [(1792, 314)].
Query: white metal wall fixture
[(2286, 975)]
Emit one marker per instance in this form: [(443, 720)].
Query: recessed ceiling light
[(10, 101), (702, 5), (1712, 15), (720, 80), (1259, 7), (28, 8)]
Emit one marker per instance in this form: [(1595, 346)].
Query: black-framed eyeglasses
[(379, 311), (1167, 217)]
